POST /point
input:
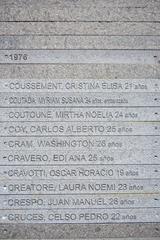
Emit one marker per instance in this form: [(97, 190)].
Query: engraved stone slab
[(80, 56), (80, 151), (79, 119)]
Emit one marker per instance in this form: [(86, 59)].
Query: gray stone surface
[(80, 28), (76, 231), (91, 71), (80, 42), (82, 56), (53, 10), (82, 24)]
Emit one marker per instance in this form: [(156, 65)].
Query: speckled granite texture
[(80, 24)]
